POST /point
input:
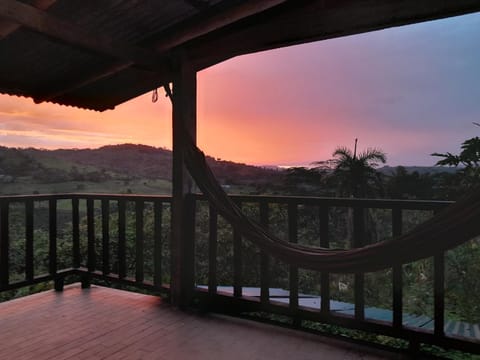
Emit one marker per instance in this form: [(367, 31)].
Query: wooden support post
[(184, 120)]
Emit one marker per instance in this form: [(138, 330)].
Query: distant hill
[(124, 162)]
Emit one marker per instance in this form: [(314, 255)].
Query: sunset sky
[(409, 91)]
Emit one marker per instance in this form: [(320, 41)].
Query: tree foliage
[(469, 159), (356, 173)]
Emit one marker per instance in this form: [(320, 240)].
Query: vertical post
[(324, 276), (4, 245), (76, 233), (122, 262), (105, 236), (52, 220), (157, 235), (212, 251), (29, 272), (91, 235), (139, 240), (237, 261), (293, 238), (397, 273), (358, 241), (184, 123), (264, 260), (439, 293)]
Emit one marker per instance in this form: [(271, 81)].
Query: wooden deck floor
[(103, 323)]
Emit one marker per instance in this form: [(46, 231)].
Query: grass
[(26, 186)]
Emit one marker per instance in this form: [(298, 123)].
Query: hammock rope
[(453, 226)]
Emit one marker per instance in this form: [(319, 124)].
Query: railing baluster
[(439, 293), (76, 233), (4, 244), (293, 237), (91, 263), (139, 241), (157, 240), (397, 273), (358, 241), (105, 236), (29, 272), (264, 259), (212, 250), (52, 218), (122, 267), (324, 276), (237, 261)]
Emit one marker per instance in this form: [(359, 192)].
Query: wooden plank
[(358, 241), (324, 276), (182, 247), (292, 213), (397, 278), (157, 240), (52, 234), (91, 262), (76, 232), (29, 269), (139, 241), (105, 236), (264, 260), (4, 244), (122, 258), (212, 250)]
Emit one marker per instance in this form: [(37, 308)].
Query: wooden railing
[(91, 245), (231, 298), (126, 239)]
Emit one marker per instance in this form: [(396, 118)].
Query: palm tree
[(356, 174)]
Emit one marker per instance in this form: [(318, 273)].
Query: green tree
[(469, 159), (356, 174)]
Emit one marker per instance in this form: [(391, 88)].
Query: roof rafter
[(8, 27), (161, 47), (73, 35), (319, 20)]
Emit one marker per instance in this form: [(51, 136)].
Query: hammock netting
[(453, 226)]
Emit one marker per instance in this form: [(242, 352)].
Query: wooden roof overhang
[(98, 54)]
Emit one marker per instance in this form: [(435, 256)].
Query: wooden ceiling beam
[(216, 20), (8, 27), (72, 35), (161, 47), (319, 20)]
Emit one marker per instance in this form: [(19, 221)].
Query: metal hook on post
[(155, 95), (168, 92)]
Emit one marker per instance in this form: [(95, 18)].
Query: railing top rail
[(95, 196), (341, 202)]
